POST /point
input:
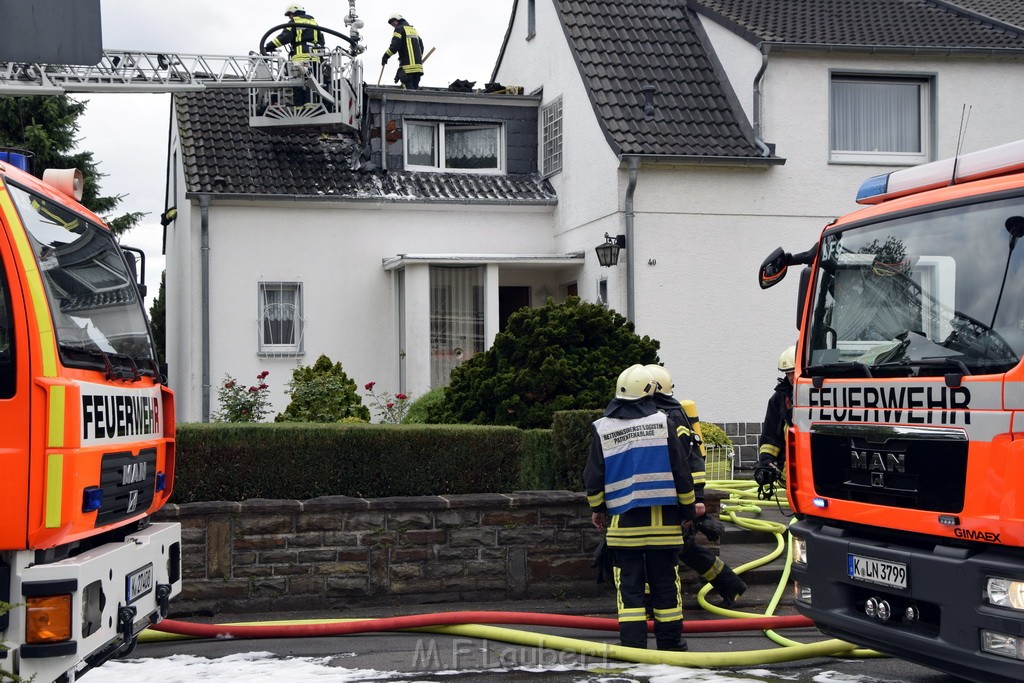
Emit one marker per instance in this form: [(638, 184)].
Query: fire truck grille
[(904, 473), (128, 485)]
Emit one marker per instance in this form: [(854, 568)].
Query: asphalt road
[(429, 657)]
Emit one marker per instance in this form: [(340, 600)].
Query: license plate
[(138, 583), (873, 570)]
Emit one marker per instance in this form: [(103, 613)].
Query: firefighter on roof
[(637, 474), (301, 40), (406, 43)]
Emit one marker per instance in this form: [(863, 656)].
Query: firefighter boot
[(633, 634), (729, 585)]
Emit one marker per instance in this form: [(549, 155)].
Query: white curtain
[(456, 318), (876, 116)]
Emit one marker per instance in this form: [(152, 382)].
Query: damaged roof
[(907, 24), (222, 155), (624, 46)]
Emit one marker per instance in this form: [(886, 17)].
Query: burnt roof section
[(1007, 11), (918, 24), (623, 46), (223, 155)]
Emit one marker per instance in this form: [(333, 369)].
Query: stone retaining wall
[(327, 553)]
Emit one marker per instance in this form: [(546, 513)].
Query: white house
[(706, 133)]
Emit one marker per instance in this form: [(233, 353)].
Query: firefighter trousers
[(659, 569)]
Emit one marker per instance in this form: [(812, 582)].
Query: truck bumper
[(936, 620), (117, 590)]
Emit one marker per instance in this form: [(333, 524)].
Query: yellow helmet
[(661, 378), (787, 361), (634, 383)]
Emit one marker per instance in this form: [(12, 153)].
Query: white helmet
[(661, 378), (294, 9), (635, 382), (787, 361), (395, 17)]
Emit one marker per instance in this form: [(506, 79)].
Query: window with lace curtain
[(880, 119), (280, 318), (454, 147)]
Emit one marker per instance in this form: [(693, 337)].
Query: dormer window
[(454, 147)]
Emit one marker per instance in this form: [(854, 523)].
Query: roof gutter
[(698, 160), (925, 51), (342, 199)]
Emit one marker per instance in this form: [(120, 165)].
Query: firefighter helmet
[(662, 379), (635, 382), (395, 17), (294, 9), (787, 361)]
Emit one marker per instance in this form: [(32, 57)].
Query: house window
[(880, 119), (456, 318), (280, 319), (454, 147), (551, 138)]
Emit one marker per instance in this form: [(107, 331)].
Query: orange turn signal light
[(48, 618)]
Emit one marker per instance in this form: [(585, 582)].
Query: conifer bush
[(323, 392), (557, 357)]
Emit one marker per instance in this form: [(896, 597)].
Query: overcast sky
[(128, 133)]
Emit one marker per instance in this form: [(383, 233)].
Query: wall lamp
[(608, 253)]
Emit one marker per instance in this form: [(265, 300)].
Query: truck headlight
[(1005, 592), (799, 550)]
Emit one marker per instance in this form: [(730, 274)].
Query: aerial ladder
[(333, 79)]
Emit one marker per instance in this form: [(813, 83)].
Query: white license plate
[(138, 583), (873, 570)]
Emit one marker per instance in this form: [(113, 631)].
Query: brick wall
[(744, 437), (326, 553)]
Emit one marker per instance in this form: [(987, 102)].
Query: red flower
[(264, 386), (229, 385), (369, 386), (390, 406), (253, 389), (401, 397), (262, 375)]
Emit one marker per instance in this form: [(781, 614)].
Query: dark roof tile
[(222, 154)]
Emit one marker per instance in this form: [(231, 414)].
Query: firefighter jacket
[(300, 40), (777, 419), (687, 433), (637, 472), (406, 43)]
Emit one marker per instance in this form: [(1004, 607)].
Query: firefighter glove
[(383, 60), (710, 527), (765, 476), (269, 47)]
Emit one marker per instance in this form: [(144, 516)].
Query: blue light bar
[(161, 480), (92, 498), (820, 503), (872, 187)]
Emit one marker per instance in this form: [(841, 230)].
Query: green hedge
[(303, 460), (570, 432)]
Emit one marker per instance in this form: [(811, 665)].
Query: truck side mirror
[(773, 269)]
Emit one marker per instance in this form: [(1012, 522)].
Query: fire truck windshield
[(97, 314), (917, 295)]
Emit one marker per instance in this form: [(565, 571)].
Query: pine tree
[(323, 393), (158, 319), (46, 126)]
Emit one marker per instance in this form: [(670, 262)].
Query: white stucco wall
[(349, 303)]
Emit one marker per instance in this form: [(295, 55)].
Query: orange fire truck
[(86, 443), (905, 461)]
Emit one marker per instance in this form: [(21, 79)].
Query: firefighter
[(640, 492), (709, 566), (301, 40), (406, 43), (771, 455)]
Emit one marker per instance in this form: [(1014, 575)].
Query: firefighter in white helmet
[(301, 38), (406, 43), (771, 445), (707, 564), (637, 475)]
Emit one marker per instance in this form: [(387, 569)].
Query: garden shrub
[(322, 392)]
